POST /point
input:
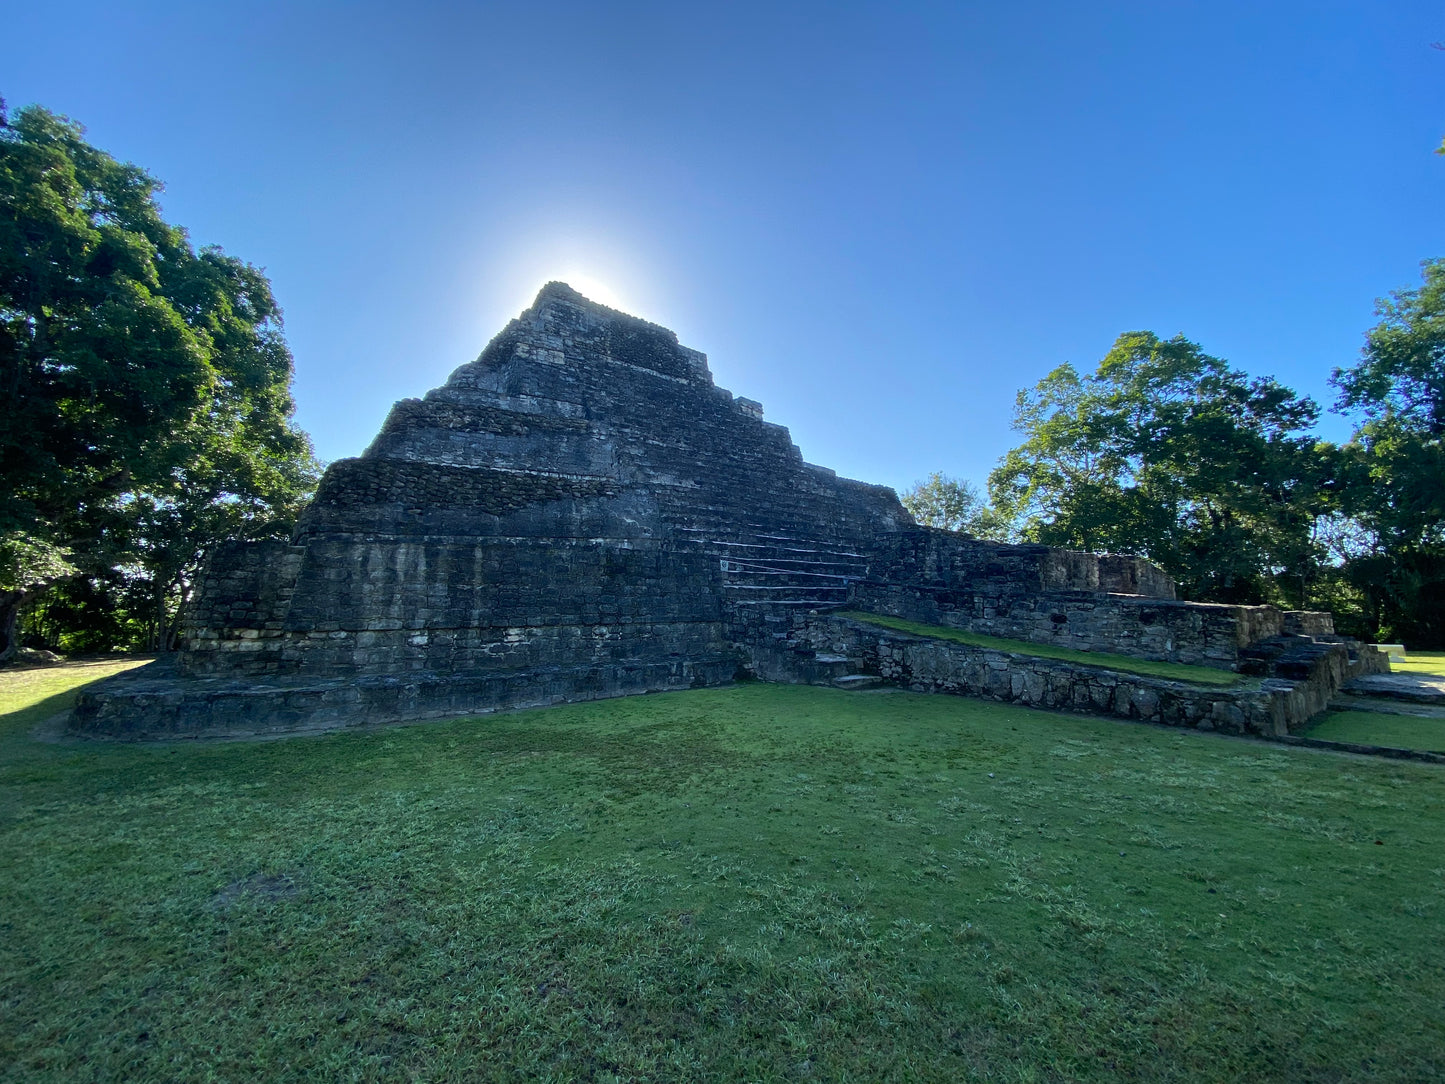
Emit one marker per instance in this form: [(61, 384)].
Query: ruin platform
[(581, 512)]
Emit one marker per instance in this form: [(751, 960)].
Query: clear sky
[(879, 220)]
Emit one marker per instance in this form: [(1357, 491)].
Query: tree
[(1397, 458), (136, 375), (1167, 452), (953, 505), (26, 566)]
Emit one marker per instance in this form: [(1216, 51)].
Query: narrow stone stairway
[(1394, 694), (762, 567)]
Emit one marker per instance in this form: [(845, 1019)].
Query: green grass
[(752, 883), (1394, 729), (1420, 662), (1174, 671), (1378, 728)]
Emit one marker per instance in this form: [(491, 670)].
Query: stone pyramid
[(581, 512)]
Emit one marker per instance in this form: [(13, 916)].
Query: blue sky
[(879, 220)]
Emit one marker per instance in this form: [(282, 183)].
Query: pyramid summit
[(581, 512)]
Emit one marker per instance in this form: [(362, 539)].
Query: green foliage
[(1396, 460), (1167, 453), (1174, 671), (1401, 374), (953, 505), (755, 883), (28, 562), (144, 386), (99, 366)]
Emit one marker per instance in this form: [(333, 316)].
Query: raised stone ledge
[(1269, 707), (153, 703)]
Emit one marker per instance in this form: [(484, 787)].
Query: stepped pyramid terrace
[(581, 513)]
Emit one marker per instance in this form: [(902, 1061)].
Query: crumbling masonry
[(582, 513)]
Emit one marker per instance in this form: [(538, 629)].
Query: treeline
[(1166, 452), (145, 406)]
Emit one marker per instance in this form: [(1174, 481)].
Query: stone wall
[(448, 606), (1309, 623), (1053, 596), (1133, 576), (246, 586), (1268, 707)]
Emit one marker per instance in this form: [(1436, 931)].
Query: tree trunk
[(163, 632), (10, 603)]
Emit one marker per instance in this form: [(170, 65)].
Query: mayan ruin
[(581, 513)]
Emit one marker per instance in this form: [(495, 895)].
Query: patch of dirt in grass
[(267, 888)]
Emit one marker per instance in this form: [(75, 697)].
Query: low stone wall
[(1084, 601), (1267, 707), (153, 704), (1202, 634), (1123, 575), (1309, 623)]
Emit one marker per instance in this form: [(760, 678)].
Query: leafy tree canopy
[(1167, 452), (953, 505), (145, 406), (1396, 458)]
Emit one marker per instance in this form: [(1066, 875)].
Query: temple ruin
[(581, 513)]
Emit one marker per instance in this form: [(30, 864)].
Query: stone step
[(734, 570), (753, 551), (792, 588), (827, 666), (1387, 706), (858, 681), (724, 536), (1415, 688), (814, 603)]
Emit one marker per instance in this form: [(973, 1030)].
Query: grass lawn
[(1420, 662), (758, 882), (1174, 671), (1397, 731), (1378, 728)]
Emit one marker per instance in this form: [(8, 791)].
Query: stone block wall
[(395, 607), (1054, 596), (246, 586), (1203, 634), (1267, 707), (1309, 623), (1121, 575)]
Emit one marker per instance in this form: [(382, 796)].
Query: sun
[(593, 287), (607, 271)]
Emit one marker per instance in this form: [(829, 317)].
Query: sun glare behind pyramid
[(593, 287)]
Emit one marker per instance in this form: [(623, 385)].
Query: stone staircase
[(768, 577), (761, 567), (1418, 695), (1294, 657), (796, 662)]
